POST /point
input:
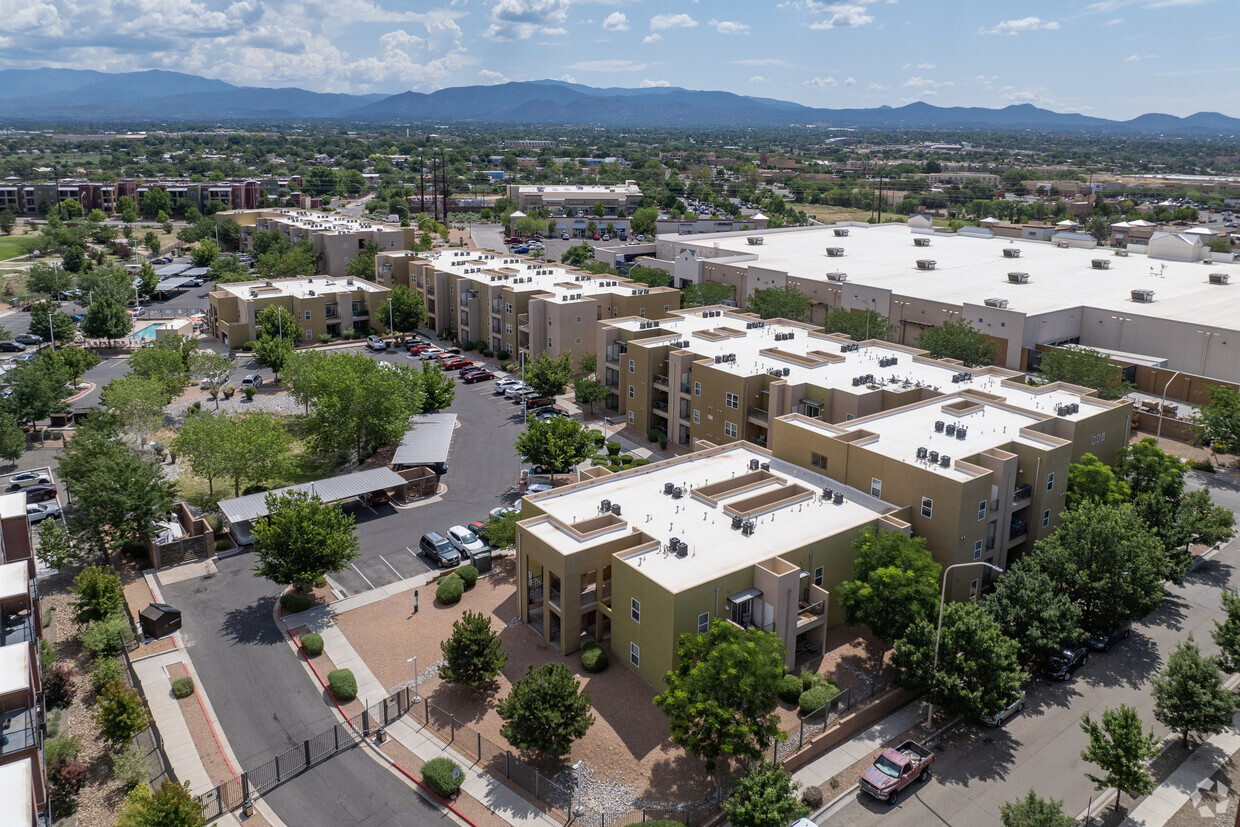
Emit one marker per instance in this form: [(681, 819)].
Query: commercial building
[(320, 305), (337, 239), (579, 199), (634, 560), (1167, 303), (516, 305), (37, 197)]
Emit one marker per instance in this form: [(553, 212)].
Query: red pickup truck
[(895, 769)]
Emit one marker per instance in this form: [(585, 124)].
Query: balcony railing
[(662, 381), (18, 628), (758, 416), (19, 731), (659, 405), (686, 387), (1022, 496), (810, 612), (590, 594)]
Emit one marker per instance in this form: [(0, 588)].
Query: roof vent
[(1017, 277), (838, 498), (921, 453), (938, 426), (1011, 252), (1219, 278), (1001, 303), (753, 465), (921, 241), (1143, 294), (766, 466), (737, 520), (837, 276), (934, 457), (841, 232), (604, 506), (615, 509), (950, 430), (667, 487), (1100, 264), (961, 432), (925, 264), (747, 527), (835, 252), (677, 492), (755, 240)]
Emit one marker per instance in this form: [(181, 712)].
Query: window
[(1046, 518), (578, 340), (578, 320), (548, 343), (813, 410), (357, 308), (632, 366), (849, 417), (729, 429), (981, 511), (632, 395), (508, 328), (641, 311), (548, 320), (635, 654), (508, 308), (697, 388), (697, 417), (667, 308), (732, 400), (703, 623), (509, 347), (635, 609), (1050, 481), (977, 550), (927, 507), (973, 590), (817, 460), (307, 334), (307, 315), (876, 487), (631, 419), (818, 572)]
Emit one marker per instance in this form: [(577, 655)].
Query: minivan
[(436, 548)]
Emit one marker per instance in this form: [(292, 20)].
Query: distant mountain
[(70, 95)]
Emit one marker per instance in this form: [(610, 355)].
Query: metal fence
[(813, 723), (149, 740)]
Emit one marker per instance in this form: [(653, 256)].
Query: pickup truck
[(895, 769)]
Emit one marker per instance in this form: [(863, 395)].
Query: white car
[(465, 541), (503, 511), (376, 343), (27, 479), (513, 391), (37, 512)]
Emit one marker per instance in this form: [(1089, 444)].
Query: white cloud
[(850, 81), (649, 84), (986, 82), (490, 77), (1036, 95), (1135, 58), (821, 83), (567, 78), (918, 82), (762, 61), (1024, 24), (878, 87), (521, 19), (757, 79), (730, 27), (926, 66), (839, 15), (616, 22), (1114, 21), (609, 66), (672, 21), (652, 38)]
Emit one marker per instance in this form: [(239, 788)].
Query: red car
[(420, 347), (472, 376), (39, 493), (455, 363)]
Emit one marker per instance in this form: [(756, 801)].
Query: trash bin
[(159, 620), (481, 560)]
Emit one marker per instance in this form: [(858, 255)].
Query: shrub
[(626, 459), (229, 390), (613, 449), (248, 346), (222, 543), (195, 406), (812, 797), (593, 658), (342, 684), (810, 679), (437, 774), (130, 767), (790, 689), (653, 435), (325, 337), (58, 685), (615, 469), (467, 346), (248, 391), (468, 574), (120, 714), (1201, 465), (48, 613), (292, 602), (183, 687), (107, 669), (450, 590), (640, 461), (66, 746), (817, 698), (47, 653), (312, 644), (66, 776), (99, 594)]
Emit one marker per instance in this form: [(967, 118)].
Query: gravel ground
[(270, 400)]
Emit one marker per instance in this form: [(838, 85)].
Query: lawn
[(9, 248)]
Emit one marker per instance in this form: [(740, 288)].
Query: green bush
[(1201, 465), (640, 461), (248, 391), (450, 590), (107, 669), (615, 469), (229, 390), (222, 543), (790, 689), (593, 658), (47, 653), (248, 346), (597, 435), (613, 449), (102, 638), (130, 767), (183, 687), (325, 338), (65, 746), (312, 644), (653, 435), (99, 594), (292, 602), (626, 459), (817, 698), (342, 684), (467, 346), (437, 774), (468, 574)]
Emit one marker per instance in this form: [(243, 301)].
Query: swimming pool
[(147, 332)]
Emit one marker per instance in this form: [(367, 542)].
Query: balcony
[(810, 614), (757, 416), (19, 732), (17, 628), (590, 595), (662, 382), (1022, 496), (686, 387), (497, 306)]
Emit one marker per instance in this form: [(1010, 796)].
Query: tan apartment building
[(337, 239), (634, 560), (21, 688), (320, 305), (517, 305), (579, 199)]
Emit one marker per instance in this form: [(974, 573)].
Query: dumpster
[(159, 620)]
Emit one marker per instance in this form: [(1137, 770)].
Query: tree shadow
[(466, 704), (1129, 663), (251, 625), (971, 753), (1048, 694), (1171, 613), (680, 779)]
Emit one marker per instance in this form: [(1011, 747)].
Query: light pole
[(900, 321), (1163, 404), (417, 696), (939, 632), (51, 332), (391, 330)]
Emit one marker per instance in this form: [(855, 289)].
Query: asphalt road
[(978, 769)]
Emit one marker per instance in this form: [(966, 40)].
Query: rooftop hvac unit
[(827, 493), (677, 492), (766, 466), (1018, 278), (841, 232), (718, 359), (921, 453), (755, 240), (837, 276), (835, 252), (747, 528), (1100, 264), (950, 429), (615, 509), (667, 488), (682, 548), (939, 425), (1143, 294), (787, 371), (921, 241), (1000, 303), (753, 465), (838, 498), (961, 432), (934, 457), (945, 461), (925, 263), (605, 505), (1122, 253), (1011, 252), (737, 521), (1219, 278)]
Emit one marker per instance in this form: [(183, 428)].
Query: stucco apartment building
[(636, 559), (338, 239), (518, 305), (36, 197), (319, 304)]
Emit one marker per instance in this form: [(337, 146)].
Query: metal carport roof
[(332, 489), (171, 270), (427, 441), (171, 284)]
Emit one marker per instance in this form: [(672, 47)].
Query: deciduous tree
[(959, 340), (590, 392), (1032, 611), (1034, 811), (120, 714), (556, 443), (895, 583), (651, 276), (868, 324), (162, 365), (437, 386), (1189, 695), (1218, 421), (54, 549), (99, 593), (1094, 480), (1121, 748), (138, 403), (12, 439), (48, 279), (408, 309), (106, 319), (548, 376), (1227, 634), (765, 796), (785, 302), (706, 293), (545, 711), (213, 369), (302, 539)]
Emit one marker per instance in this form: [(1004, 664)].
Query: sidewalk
[(1187, 782)]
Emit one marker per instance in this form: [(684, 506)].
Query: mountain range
[(83, 96)]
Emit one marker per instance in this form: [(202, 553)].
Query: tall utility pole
[(443, 173), (434, 195), (421, 185)]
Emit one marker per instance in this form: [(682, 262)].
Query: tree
[(1086, 367), (722, 696), (547, 376), (362, 266), (501, 530), (138, 403), (556, 443), (1092, 479), (275, 322), (1193, 518), (71, 361), (437, 386), (706, 293), (148, 279), (1227, 634), (408, 309), (150, 240), (765, 796), (1099, 227), (273, 352), (200, 444), (48, 279), (171, 806), (961, 341), (780, 303), (303, 539), (120, 714), (227, 270), (545, 711), (577, 255), (1034, 811), (1033, 612), (8, 219), (868, 324), (473, 654), (978, 670), (895, 583), (73, 259), (161, 364), (255, 449), (1218, 421), (54, 549), (106, 319), (590, 392), (37, 390), (651, 276), (1189, 695), (1148, 468), (1122, 750), (100, 594), (643, 220), (12, 439), (214, 369)]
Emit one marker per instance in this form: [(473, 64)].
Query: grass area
[(827, 214), (9, 248)]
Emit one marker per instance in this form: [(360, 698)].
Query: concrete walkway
[(850, 752), (1188, 782)]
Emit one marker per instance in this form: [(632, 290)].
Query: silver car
[(465, 541), (37, 512), (1005, 713)]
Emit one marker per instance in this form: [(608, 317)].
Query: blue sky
[(1114, 58)]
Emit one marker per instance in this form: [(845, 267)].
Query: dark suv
[(1061, 665), (436, 548), (1101, 640)]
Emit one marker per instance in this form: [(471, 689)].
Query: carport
[(426, 443), (170, 284), (172, 270), (241, 512)]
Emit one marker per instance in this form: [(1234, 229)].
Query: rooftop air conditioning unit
[(835, 252), (755, 240), (841, 232), (1001, 303), (1143, 294), (1018, 278), (837, 276), (1011, 252), (945, 461), (1122, 253), (921, 241), (1219, 278), (1100, 264), (925, 264)]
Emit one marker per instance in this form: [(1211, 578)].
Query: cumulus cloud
[(1135, 58), (650, 84), (821, 83), (1114, 21), (917, 82), (877, 87), (762, 61), (672, 21), (757, 79), (489, 77), (652, 38), (730, 27), (616, 22), (926, 66), (521, 19), (839, 15), (1036, 95), (1024, 24), (850, 81), (609, 66)]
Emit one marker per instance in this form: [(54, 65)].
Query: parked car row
[(460, 544)]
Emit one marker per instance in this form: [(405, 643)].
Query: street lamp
[(939, 632), (390, 325), (1163, 404), (51, 331), (417, 696)]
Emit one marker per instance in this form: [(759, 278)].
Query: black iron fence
[(149, 740)]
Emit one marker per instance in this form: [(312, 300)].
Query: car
[(431, 353), (28, 339), (1003, 714), (436, 548), (563, 236), (161, 260), (196, 282), (538, 487), (26, 357), (1061, 665), (521, 249), (596, 238), (475, 376), (507, 381), (606, 236), (26, 479), (419, 348), (465, 541), (503, 511), (516, 239), (1102, 639), (39, 492), (516, 390), (548, 411), (478, 527), (375, 343), (455, 363), (37, 512), (252, 380), (377, 498), (11, 347), (524, 396)]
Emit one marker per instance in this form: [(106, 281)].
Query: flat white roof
[(14, 579), (715, 547), (300, 286), (526, 275), (971, 269), (17, 793), (324, 222), (628, 188), (14, 668), (13, 505)]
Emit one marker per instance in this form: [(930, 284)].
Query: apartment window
[(508, 308), (508, 329), (977, 550), (578, 340), (631, 419), (817, 460), (697, 388), (927, 507), (641, 311), (307, 334), (635, 654), (697, 417), (973, 590), (876, 487), (548, 342), (1046, 518), (667, 308), (818, 572), (732, 400), (632, 366), (357, 308), (981, 511), (635, 609), (849, 417), (729, 429), (1050, 481), (509, 347), (632, 394), (703, 623), (578, 320)]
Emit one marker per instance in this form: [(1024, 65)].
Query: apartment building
[(567, 199), (517, 305), (36, 197), (321, 305), (634, 560), (337, 238)]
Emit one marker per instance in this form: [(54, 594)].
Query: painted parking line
[(364, 577), (399, 576)]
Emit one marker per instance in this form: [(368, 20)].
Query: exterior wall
[(232, 318)]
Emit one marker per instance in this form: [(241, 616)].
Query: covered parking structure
[(242, 512), (426, 443)]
